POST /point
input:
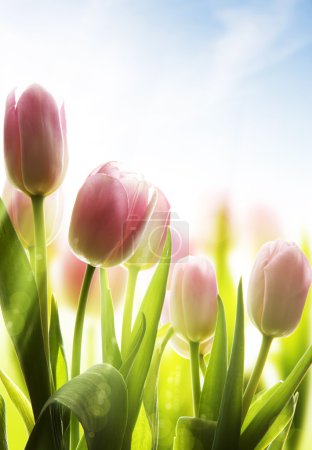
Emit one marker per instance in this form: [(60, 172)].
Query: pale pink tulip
[(109, 216), (193, 298), (278, 288), (35, 146)]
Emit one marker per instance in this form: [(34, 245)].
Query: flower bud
[(109, 216), (20, 211), (278, 288), (35, 147), (193, 298), (154, 236)]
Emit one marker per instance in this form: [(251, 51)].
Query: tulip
[(35, 147), (109, 216), (278, 288), (153, 239), (277, 291), (20, 211), (193, 300)]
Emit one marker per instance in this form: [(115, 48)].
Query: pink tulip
[(153, 239), (35, 147), (278, 288), (20, 211), (193, 299), (109, 216)]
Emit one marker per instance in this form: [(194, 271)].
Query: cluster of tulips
[(120, 218)]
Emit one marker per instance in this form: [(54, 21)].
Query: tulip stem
[(128, 309), (41, 268), (194, 351), (77, 342), (256, 374)]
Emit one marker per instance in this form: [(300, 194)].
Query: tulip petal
[(12, 151), (100, 211), (41, 141), (287, 281)]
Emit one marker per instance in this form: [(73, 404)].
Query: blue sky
[(207, 98)]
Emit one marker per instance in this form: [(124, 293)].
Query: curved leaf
[(133, 348), (193, 433), (19, 400), (280, 441), (275, 403), (279, 424), (98, 398), (57, 352), (210, 399), (21, 311), (3, 435), (110, 349), (229, 423), (151, 307)]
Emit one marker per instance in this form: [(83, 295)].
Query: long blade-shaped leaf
[(3, 435), (210, 399), (133, 348), (19, 400), (98, 398), (110, 349), (57, 352), (21, 311), (257, 404), (279, 424), (151, 307), (229, 422), (193, 433), (150, 396), (280, 441), (275, 403)]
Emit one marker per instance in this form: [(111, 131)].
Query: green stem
[(41, 267), (256, 374), (194, 350), (77, 342), (128, 308)]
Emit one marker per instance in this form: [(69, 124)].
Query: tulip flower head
[(278, 288), (110, 215), (153, 239), (35, 147), (20, 211), (193, 298)]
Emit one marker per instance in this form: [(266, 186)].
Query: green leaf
[(279, 424), (193, 433), (210, 399), (57, 353), (280, 441), (133, 348), (150, 396), (21, 311), (98, 398), (3, 435), (275, 403), (229, 422), (110, 349), (82, 444), (260, 399), (151, 307), (19, 400)]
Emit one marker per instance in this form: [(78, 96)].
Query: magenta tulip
[(109, 216), (278, 288), (35, 146), (193, 298)]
